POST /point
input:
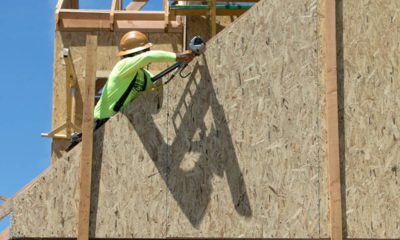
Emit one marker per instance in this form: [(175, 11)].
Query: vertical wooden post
[(75, 4), (113, 8), (87, 139), (166, 14), (330, 74), (212, 6)]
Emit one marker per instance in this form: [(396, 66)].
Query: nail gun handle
[(166, 71)]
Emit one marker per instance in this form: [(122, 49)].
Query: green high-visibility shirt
[(122, 75)]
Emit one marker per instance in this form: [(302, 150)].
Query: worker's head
[(132, 43)]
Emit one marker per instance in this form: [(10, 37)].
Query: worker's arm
[(132, 64)]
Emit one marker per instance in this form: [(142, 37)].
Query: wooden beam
[(140, 15), (73, 25), (5, 235), (105, 15), (5, 209), (84, 14), (75, 4), (70, 83), (212, 6), (102, 74), (136, 5), (87, 139), (77, 25), (330, 73), (149, 26), (4, 198), (113, 8), (60, 3), (166, 14), (204, 12)]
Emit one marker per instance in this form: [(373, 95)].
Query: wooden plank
[(149, 26), (105, 14), (203, 12), (74, 25), (166, 14), (136, 5), (5, 209), (330, 71), (213, 19), (139, 15), (87, 139), (77, 25), (102, 74), (84, 14), (4, 198), (60, 3), (69, 89), (113, 8), (75, 4), (5, 235)]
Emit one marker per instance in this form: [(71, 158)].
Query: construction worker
[(129, 76)]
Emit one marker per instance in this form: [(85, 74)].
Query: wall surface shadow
[(192, 188)]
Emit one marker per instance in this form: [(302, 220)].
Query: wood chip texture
[(238, 149)]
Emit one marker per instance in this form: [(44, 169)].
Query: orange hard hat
[(132, 42)]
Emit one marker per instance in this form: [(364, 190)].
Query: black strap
[(124, 96)]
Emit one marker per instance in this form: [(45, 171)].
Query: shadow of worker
[(209, 150)]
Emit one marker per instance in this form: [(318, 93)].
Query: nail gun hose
[(166, 71)]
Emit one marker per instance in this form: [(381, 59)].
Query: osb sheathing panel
[(232, 151), (370, 109), (245, 130), (106, 59), (128, 195)]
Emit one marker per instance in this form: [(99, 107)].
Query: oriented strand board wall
[(244, 131), (106, 59), (233, 151), (370, 103)]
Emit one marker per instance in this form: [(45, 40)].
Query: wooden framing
[(212, 6), (5, 235), (166, 14), (4, 198), (70, 89), (330, 74), (87, 139), (211, 12), (116, 5), (69, 18), (205, 12), (5, 209), (136, 5)]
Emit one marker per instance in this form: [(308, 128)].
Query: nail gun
[(197, 46)]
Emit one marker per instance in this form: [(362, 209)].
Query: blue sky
[(26, 64)]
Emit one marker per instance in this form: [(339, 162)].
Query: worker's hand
[(185, 56)]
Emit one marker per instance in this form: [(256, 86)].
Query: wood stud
[(87, 139), (330, 73)]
